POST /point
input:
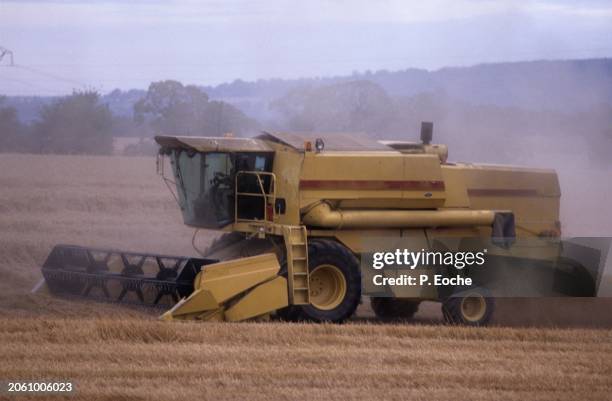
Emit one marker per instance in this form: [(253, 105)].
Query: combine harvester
[(297, 210)]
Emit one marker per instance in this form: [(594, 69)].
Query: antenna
[(3, 52)]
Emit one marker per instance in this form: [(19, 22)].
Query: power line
[(50, 75), (6, 52)]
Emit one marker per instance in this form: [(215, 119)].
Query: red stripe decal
[(371, 185)]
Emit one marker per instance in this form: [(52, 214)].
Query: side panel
[(372, 179), (456, 188), (287, 168), (533, 195)]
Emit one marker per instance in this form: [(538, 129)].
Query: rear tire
[(335, 284), (394, 309), (474, 307)]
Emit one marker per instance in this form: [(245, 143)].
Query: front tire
[(335, 284)]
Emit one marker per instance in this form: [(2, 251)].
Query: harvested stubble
[(114, 353)]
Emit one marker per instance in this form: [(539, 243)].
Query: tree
[(11, 129), (177, 109), (75, 124)]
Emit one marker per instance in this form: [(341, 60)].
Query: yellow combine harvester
[(297, 209)]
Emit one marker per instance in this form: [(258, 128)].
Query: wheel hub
[(327, 287), (473, 307)]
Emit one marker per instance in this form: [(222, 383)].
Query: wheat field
[(121, 353)]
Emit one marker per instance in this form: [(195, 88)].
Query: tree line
[(82, 124)]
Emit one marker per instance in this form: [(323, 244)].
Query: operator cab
[(215, 177)]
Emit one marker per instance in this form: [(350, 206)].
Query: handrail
[(269, 198)]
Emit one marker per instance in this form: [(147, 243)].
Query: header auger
[(296, 209)]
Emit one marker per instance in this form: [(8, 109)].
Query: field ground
[(115, 353)]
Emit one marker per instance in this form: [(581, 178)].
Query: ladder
[(297, 264)]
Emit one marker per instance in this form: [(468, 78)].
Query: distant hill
[(565, 86), (575, 85)]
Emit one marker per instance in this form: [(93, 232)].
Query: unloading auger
[(296, 210)]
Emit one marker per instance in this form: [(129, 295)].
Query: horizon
[(59, 46), (359, 74)]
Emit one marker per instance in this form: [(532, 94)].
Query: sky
[(59, 46)]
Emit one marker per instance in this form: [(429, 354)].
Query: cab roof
[(213, 144), (341, 141), (335, 141)]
